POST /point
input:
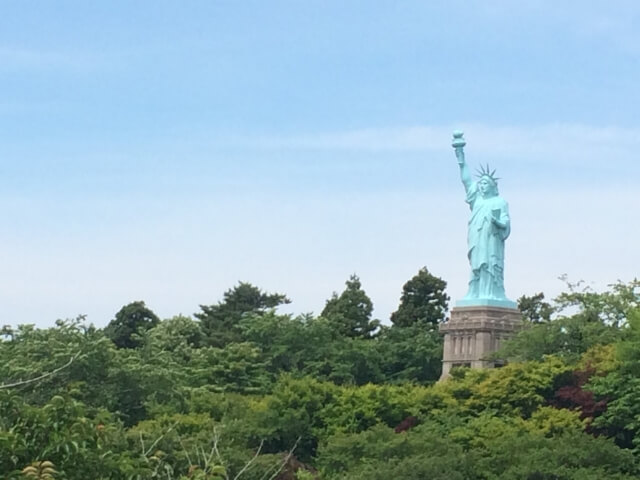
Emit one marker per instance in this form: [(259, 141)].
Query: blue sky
[(163, 151)]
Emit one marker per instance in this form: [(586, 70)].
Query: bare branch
[(248, 464), (204, 457), (269, 470), (214, 449), (185, 451), (41, 377), (158, 439), (142, 444), (285, 461)]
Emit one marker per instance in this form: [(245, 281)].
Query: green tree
[(79, 441), (610, 307), (410, 354), (292, 412), (584, 318), (305, 345), (346, 361), (177, 333), (423, 301), (489, 448), (238, 367), (534, 308), (220, 322), (81, 356), (130, 323), (620, 389), (379, 453), (285, 341), (350, 312)]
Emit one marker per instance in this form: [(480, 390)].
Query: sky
[(164, 151)]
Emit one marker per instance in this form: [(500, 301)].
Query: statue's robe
[(485, 243)]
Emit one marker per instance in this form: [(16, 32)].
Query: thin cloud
[(571, 142), (16, 58), (609, 23), (615, 23)]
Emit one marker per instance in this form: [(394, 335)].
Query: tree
[(130, 322), (410, 354), (350, 312), (220, 322), (177, 333), (534, 308), (595, 318), (64, 436), (483, 448), (423, 301), (379, 453), (620, 390)]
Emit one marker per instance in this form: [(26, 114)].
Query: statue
[(489, 227)]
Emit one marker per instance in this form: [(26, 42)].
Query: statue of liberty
[(489, 227)]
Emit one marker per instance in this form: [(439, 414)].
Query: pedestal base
[(487, 302), (473, 333)]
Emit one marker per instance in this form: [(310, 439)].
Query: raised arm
[(458, 144), (465, 176)]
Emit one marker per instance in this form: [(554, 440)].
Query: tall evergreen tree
[(220, 322), (350, 312), (134, 318), (423, 301)]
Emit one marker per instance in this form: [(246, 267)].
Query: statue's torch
[(458, 143)]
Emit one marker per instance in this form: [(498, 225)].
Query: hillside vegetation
[(239, 391)]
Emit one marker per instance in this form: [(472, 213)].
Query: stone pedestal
[(475, 332)]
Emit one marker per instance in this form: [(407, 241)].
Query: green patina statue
[(489, 227)]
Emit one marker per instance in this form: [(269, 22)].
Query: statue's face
[(485, 187)]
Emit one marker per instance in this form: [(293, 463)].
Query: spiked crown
[(486, 172)]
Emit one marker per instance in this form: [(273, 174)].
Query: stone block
[(473, 333)]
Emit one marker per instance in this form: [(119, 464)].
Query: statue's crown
[(486, 172)]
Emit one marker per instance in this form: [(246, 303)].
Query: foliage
[(283, 396), (610, 307), (311, 346), (130, 322), (220, 322), (350, 312), (62, 432), (498, 451), (517, 389), (40, 471), (534, 309), (284, 341), (179, 335), (585, 319), (237, 368), (620, 389), (292, 412), (423, 301), (379, 453), (410, 354)]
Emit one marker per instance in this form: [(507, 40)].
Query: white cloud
[(566, 143), (612, 23), (20, 58), (305, 243)]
